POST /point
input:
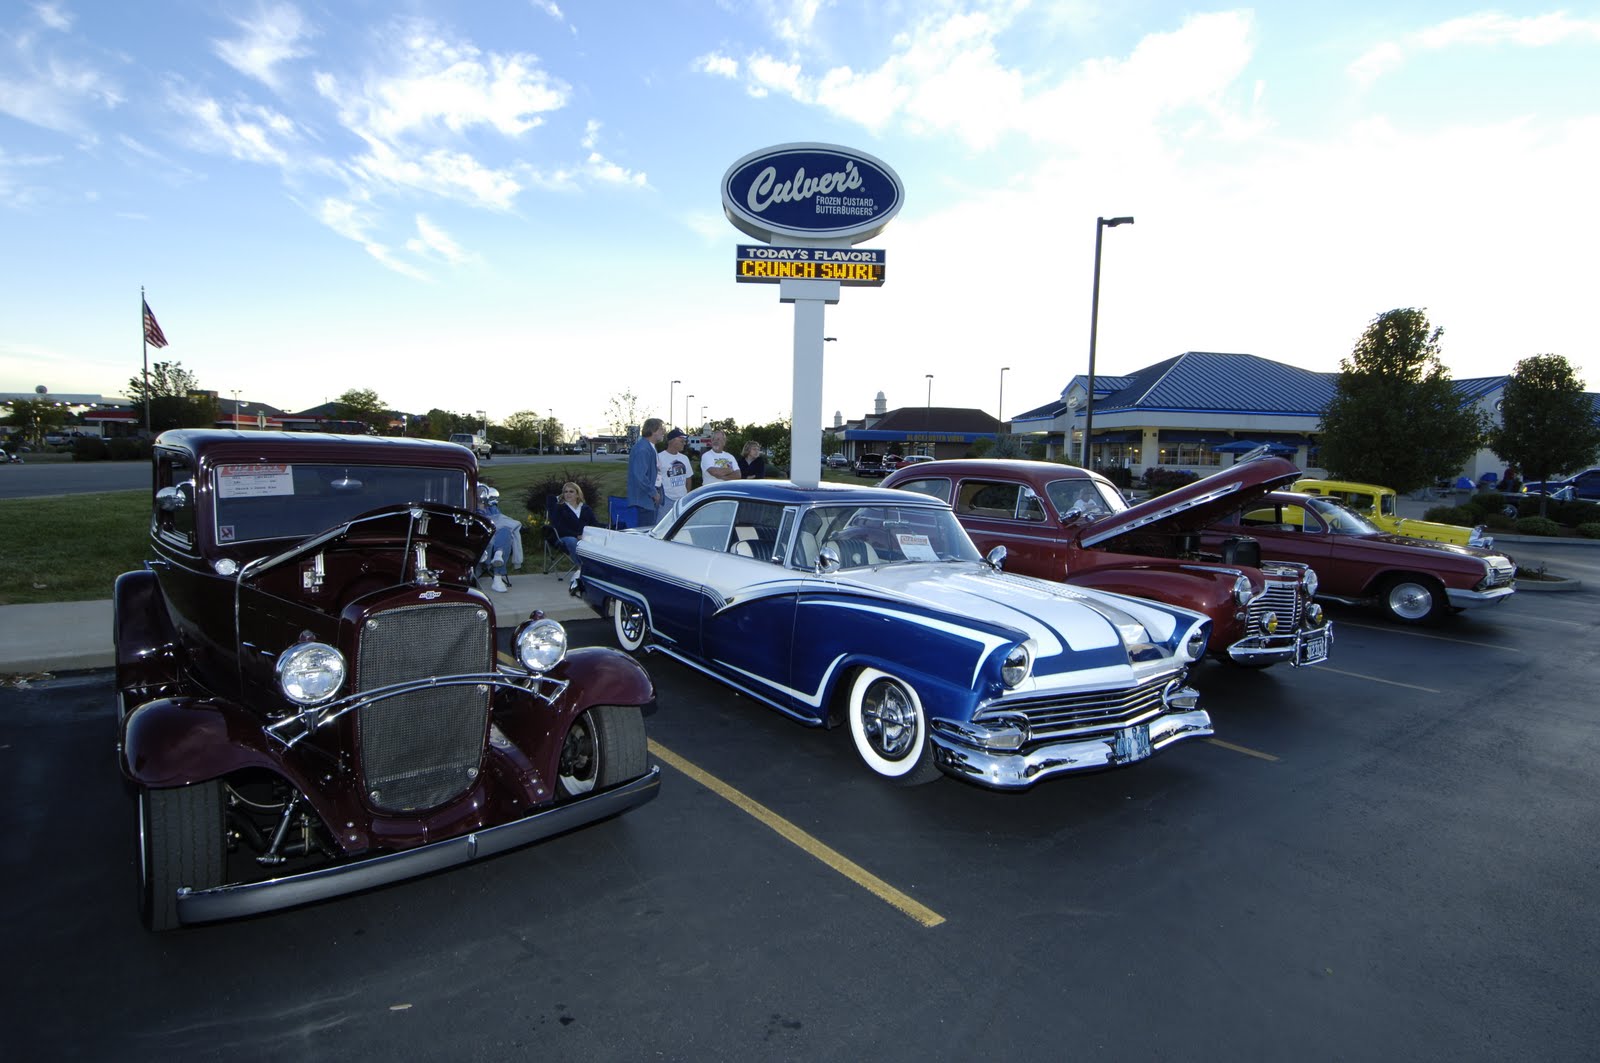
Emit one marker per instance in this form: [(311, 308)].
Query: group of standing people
[(657, 479)]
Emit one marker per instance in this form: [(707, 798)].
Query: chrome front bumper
[(1018, 771), (253, 898), (1308, 646), (1472, 599)]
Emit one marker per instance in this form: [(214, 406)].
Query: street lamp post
[(236, 409), (1001, 409), (672, 393), (1100, 226), (686, 400)]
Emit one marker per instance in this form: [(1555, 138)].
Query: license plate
[(1132, 743), (1313, 648)]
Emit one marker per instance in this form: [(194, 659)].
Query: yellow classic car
[(1377, 504)]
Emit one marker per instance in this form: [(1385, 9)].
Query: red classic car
[(1415, 581), (309, 698), (1065, 523)]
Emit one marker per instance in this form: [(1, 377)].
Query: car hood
[(1394, 540), (1055, 616), (1195, 506)]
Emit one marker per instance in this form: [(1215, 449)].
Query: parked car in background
[(1584, 485), (1061, 522), (913, 459), (1414, 581), (891, 462), (870, 465), (871, 609), (475, 443), (308, 696), (1380, 506), (836, 461)]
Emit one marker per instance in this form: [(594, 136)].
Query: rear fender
[(141, 631)]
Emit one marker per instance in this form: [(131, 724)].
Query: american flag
[(152, 331)]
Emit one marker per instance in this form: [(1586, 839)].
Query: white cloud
[(432, 240), (52, 91), (450, 174), (242, 130), (54, 16), (350, 221), (274, 36), (717, 64), (1484, 29)]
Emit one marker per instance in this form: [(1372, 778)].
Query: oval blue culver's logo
[(815, 191)]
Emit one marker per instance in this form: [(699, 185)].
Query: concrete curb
[(1548, 586)]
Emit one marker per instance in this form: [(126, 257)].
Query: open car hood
[(1198, 505)]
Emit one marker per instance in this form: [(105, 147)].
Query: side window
[(755, 530), (1029, 507), (708, 527), (937, 487), (173, 517), (987, 499)]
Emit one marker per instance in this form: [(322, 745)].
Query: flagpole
[(144, 335)]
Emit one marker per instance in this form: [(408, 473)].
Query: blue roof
[(1205, 381)]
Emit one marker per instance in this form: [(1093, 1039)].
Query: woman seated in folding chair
[(569, 515)]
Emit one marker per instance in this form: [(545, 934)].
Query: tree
[(34, 417), (623, 412), (362, 404), (551, 432), (1547, 423), (174, 397), (774, 437), (522, 429), (1395, 417)]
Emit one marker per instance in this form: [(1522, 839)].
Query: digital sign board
[(852, 267)]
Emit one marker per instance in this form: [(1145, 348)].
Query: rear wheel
[(605, 746), (629, 621), (1413, 599), (182, 843), (890, 729)]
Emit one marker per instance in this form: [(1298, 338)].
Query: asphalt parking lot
[(1391, 856)]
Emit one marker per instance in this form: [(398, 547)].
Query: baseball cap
[(676, 433)]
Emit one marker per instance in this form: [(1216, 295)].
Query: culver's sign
[(811, 191)]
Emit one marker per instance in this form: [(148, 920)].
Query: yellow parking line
[(1375, 679), (846, 867), (1242, 749)]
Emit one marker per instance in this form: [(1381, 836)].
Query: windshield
[(296, 501), (883, 535), (1340, 519), (1088, 498)]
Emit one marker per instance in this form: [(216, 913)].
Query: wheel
[(632, 629), (1413, 599), (182, 842), (605, 746), (890, 729)]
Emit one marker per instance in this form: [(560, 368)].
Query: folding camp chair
[(556, 558), (622, 514)]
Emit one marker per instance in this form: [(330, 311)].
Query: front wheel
[(605, 746), (890, 729), (1413, 600), (182, 843), (631, 626)]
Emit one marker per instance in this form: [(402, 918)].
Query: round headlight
[(1241, 590), (1269, 622), (1018, 663), (541, 644), (1314, 615), (1309, 582), (310, 673), (1195, 647)]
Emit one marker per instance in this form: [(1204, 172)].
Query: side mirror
[(828, 559), (996, 558)]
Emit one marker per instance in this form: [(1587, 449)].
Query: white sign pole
[(810, 299)]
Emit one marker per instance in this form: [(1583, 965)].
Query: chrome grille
[(1502, 573), (1052, 716), (420, 749), (1277, 597)]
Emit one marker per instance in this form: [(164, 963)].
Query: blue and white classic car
[(871, 607)]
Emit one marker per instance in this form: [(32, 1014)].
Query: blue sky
[(514, 205)]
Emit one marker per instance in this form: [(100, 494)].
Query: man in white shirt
[(717, 463), (674, 468)]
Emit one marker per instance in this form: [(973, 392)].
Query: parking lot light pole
[(686, 400), (1100, 226), (672, 397), (1000, 410)]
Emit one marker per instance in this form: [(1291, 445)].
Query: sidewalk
[(70, 636)]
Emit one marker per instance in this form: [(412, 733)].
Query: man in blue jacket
[(643, 494)]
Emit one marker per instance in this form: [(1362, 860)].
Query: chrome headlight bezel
[(540, 645), (1017, 666), (310, 673), (1242, 590), (1308, 583), (1195, 643)]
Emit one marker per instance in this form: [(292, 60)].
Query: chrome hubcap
[(889, 720)]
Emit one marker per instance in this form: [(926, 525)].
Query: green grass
[(72, 548)]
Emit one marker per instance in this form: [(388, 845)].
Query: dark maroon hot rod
[(310, 699)]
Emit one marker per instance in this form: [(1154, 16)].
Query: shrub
[(1468, 516), (1538, 526), (1488, 501), (1499, 521), (129, 448), (1590, 529), (1158, 481), (1119, 475), (90, 448), (535, 496)]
